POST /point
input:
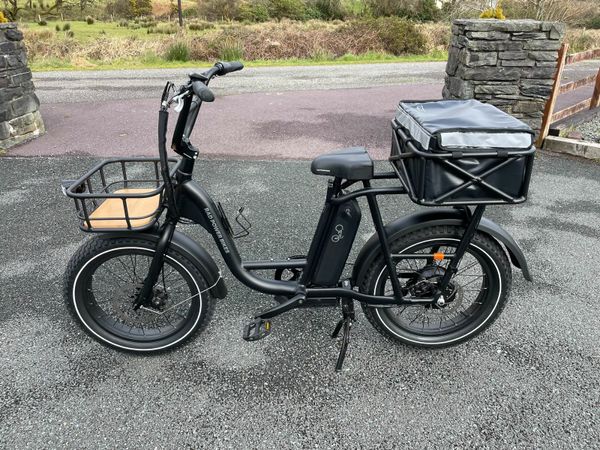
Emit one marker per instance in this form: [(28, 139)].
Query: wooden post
[(180, 13), (549, 108), (596, 95)]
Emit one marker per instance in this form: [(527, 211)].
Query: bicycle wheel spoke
[(473, 280), (468, 286), (112, 285)]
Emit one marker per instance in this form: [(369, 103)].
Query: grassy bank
[(150, 44), (105, 45), (160, 63)]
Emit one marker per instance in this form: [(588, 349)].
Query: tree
[(140, 7), (11, 9)]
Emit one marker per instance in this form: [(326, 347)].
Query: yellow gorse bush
[(493, 13), (2, 18)]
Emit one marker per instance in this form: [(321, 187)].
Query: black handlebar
[(202, 91), (198, 85), (228, 67)]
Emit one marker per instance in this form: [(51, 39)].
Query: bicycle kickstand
[(344, 325)]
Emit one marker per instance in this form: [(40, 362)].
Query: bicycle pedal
[(256, 330)]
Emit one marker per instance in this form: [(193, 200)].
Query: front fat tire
[(195, 323), (486, 246)]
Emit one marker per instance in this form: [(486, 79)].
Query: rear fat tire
[(484, 246), (202, 307)]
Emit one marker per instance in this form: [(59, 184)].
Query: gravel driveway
[(531, 381)]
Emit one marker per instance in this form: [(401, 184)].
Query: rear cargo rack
[(472, 177)]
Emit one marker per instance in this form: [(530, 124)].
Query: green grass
[(152, 61), (84, 32)]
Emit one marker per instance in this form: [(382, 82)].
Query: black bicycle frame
[(187, 199)]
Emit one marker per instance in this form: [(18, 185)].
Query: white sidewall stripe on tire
[(460, 337), (122, 346)]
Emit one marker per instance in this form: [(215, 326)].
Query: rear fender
[(186, 245), (432, 218)]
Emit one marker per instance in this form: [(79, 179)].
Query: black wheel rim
[(106, 288), (474, 288)]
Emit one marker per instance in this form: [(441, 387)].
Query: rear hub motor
[(426, 285)]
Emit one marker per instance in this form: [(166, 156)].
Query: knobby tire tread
[(483, 240), (97, 245)]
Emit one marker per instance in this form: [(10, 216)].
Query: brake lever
[(179, 105)]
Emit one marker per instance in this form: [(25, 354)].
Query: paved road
[(531, 381), (92, 86), (87, 86), (314, 109), (288, 125)]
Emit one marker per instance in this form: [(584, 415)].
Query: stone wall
[(20, 119), (508, 63)]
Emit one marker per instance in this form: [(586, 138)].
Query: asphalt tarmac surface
[(268, 113), (110, 85), (266, 125), (93, 86), (530, 381)]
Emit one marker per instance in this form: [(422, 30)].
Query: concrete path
[(530, 381)]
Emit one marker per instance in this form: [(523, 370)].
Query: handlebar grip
[(203, 92), (228, 67)]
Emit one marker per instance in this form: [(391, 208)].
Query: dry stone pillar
[(508, 63), (20, 119)]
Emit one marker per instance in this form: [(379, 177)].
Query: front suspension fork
[(156, 265)]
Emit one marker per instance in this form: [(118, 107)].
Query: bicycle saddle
[(352, 163)]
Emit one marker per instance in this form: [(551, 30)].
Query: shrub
[(66, 27), (400, 36), (219, 9), (190, 12), (428, 11), (163, 28), (254, 11), (552, 10), (291, 9), (594, 22), (70, 34), (179, 51), (118, 8), (330, 9), (2, 18), (57, 27), (581, 40), (42, 23), (386, 8), (200, 26), (89, 20), (138, 8), (231, 49), (493, 13), (148, 23)]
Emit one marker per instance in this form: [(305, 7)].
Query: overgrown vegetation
[(92, 33)]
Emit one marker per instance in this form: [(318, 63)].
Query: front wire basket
[(120, 194)]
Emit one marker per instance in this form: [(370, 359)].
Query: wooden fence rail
[(594, 102)]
